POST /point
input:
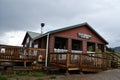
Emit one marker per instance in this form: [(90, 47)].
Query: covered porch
[(78, 54), (64, 44)]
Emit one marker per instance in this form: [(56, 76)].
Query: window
[(2, 50), (30, 44), (90, 47), (27, 40), (100, 48), (60, 45), (76, 45), (36, 46)]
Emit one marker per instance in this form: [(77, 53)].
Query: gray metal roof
[(67, 28), (33, 34)]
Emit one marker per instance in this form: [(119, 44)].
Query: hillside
[(116, 49)]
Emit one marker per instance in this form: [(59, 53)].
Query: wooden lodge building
[(77, 47), (81, 38)]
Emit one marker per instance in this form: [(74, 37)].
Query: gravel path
[(105, 75)]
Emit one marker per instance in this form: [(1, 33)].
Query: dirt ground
[(105, 75)]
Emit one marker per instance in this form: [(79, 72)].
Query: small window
[(35, 45), (28, 40), (30, 45), (2, 50)]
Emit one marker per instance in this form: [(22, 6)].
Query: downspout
[(47, 46)]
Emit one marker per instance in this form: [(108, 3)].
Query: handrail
[(20, 53), (82, 60)]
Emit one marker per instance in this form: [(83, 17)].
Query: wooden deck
[(20, 53), (90, 62), (83, 62), (15, 54)]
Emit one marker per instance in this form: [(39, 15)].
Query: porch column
[(69, 45), (96, 48), (104, 51), (84, 46), (104, 61)]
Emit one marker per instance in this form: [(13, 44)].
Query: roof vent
[(42, 25)]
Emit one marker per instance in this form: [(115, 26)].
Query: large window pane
[(61, 43), (76, 45), (100, 48), (90, 46)]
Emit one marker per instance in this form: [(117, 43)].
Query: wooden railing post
[(24, 63), (80, 61), (51, 57), (67, 59), (57, 58)]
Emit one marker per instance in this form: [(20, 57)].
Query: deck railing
[(73, 60), (11, 53)]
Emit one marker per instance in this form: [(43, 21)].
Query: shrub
[(38, 74), (52, 77), (39, 79), (3, 77), (12, 75), (22, 73)]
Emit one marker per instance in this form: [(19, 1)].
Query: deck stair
[(115, 59)]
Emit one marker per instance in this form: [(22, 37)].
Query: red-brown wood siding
[(73, 34), (51, 43), (41, 42)]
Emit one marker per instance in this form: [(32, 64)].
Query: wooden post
[(67, 59), (57, 58), (67, 62), (80, 61), (25, 64), (84, 47), (51, 60), (104, 56), (69, 45), (96, 48)]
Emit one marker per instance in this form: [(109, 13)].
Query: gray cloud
[(25, 15)]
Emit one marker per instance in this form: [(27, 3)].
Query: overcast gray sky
[(19, 16)]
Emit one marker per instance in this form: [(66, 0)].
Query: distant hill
[(116, 49)]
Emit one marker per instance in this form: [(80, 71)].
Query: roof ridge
[(33, 32), (71, 27), (64, 28)]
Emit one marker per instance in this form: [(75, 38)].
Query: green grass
[(18, 74), (35, 74), (3, 77), (38, 74), (11, 75), (39, 79), (118, 54), (53, 77), (22, 74)]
